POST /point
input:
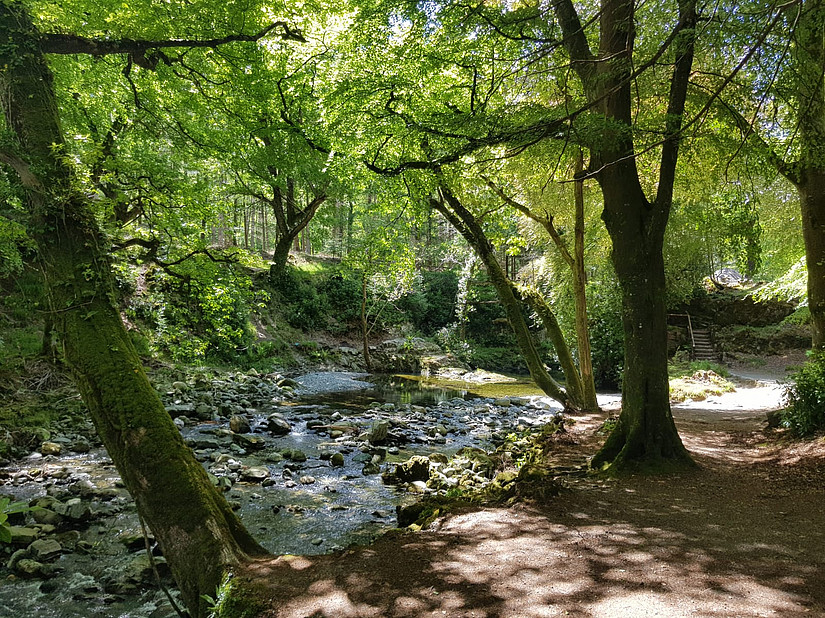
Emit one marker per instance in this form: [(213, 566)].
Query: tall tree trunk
[(809, 59), (812, 199), (198, 532), (645, 431)]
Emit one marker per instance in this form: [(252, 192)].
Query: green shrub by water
[(805, 413)]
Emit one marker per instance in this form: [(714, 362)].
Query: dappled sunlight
[(501, 562), (714, 543)]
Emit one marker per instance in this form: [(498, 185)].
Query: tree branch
[(74, 44)]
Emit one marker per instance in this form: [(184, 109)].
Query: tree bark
[(580, 294), (572, 378), (198, 532)]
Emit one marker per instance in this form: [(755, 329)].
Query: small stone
[(416, 468), (46, 516), (370, 468), (297, 455), (378, 432), (253, 443), (254, 474), (29, 567), (204, 412), (277, 426), (22, 536), (307, 480), (45, 549), (317, 541), (81, 446), (50, 448), (239, 424), (180, 386), (336, 460)]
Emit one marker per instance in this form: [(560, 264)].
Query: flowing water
[(304, 507)]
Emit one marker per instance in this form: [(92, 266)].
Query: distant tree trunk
[(365, 332), (199, 534), (580, 295), (292, 223)]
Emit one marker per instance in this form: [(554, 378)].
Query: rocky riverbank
[(313, 464)]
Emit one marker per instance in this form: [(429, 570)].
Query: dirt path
[(742, 536)]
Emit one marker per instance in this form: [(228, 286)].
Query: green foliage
[(7, 507), (791, 286), (430, 306), (805, 411), (606, 333), (205, 315), (14, 244), (678, 369)]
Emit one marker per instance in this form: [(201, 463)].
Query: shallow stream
[(303, 505)]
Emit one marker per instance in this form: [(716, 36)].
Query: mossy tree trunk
[(198, 532), (467, 225)]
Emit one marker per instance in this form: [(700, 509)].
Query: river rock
[(46, 516), (307, 480), (45, 549), (239, 424), (277, 425), (21, 535), (378, 432), (253, 443), (30, 568), (370, 468), (204, 411), (50, 448), (297, 455), (81, 446), (181, 387), (254, 474), (416, 468), (131, 574), (336, 460)]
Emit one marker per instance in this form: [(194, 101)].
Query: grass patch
[(699, 386)]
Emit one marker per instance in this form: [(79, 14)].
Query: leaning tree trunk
[(466, 224), (199, 534), (573, 381)]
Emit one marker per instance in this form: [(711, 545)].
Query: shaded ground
[(742, 536)]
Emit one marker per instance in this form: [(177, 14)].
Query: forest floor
[(743, 535)]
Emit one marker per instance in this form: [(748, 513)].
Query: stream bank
[(300, 459)]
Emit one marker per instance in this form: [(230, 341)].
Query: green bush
[(805, 412)]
